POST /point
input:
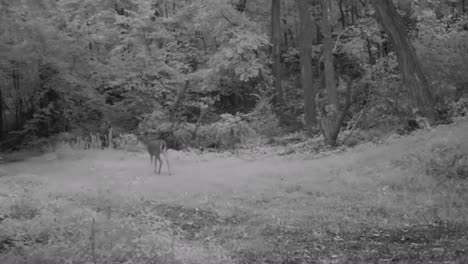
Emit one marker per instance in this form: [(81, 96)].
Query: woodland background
[(210, 73)]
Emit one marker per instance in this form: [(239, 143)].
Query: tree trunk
[(1, 115), (330, 116), (179, 100), (330, 121), (354, 12), (328, 55), (203, 111), (342, 14), (410, 66), (276, 41), (307, 81), (369, 51)]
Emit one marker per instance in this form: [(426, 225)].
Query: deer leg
[(160, 164), (167, 161), (155, 164)]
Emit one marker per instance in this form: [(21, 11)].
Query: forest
[(299, 131), (205, 74)]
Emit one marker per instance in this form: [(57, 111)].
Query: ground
[(392, 202)]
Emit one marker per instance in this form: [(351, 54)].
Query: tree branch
[(228, 20)]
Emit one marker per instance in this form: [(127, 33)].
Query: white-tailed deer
[(155, 149)]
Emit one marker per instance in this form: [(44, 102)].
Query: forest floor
[(402, 201)]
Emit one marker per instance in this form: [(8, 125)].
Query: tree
[(410, 66), (328, 55), (276, 41), (307, 33), (331, 118)]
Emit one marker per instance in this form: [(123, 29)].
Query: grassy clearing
[(404, 201)]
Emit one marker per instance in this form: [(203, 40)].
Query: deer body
[(155, 149)]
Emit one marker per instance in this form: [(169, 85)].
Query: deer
[(155, 148)]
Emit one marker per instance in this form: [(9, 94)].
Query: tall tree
[(331, 118), (410, 66), (328, 55), (276, 41), (307, 33)]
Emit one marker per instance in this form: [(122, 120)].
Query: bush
[(458, 108), (224, 134), (128, 142), (447, 162), (441, 161), (263, 119)]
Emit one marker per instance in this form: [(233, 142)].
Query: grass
[(404, 201)]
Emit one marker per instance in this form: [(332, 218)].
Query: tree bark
[(276, 41), (331, 118), (1, 115), (307, 80), (342, 14), (330, 122), (410, 66), (328, 55)]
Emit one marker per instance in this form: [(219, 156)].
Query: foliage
[(85, 66), (263, 119), (458, 108), (440, 161), (229, 130)]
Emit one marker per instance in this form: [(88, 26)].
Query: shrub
[(447, 162), (225, 133), (441, 161), (458, 108), (128, 142), (263, 119)]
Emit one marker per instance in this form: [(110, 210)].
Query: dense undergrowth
[(403, 200)]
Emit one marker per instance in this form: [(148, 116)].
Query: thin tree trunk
[(342, 14), (1, 115), (179, 100), (369, 51), (19, 98), (410, 66), (328, 55), (276, 41), (354, 12), (307, 81)]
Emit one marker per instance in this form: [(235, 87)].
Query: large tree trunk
[(276, 41), (307, 80), (330, 121), (330, 116), (410, 66)]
